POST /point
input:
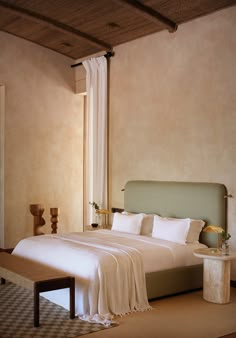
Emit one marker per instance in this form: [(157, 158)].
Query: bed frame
[(206, 201)]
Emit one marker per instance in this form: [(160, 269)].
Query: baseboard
[(6, 250), (233, 283)]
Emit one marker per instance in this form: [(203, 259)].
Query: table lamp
[(104, 212), (218, 231)]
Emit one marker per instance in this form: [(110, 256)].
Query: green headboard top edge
[(199, 200)]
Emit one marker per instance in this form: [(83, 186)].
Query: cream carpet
[(184, 316)]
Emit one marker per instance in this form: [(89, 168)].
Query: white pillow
[(147, 223), (173, 230), (130, 223), (195, 228)]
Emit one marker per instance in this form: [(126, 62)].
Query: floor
[(186, 316)]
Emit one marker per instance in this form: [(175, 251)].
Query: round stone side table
[(216, 274)]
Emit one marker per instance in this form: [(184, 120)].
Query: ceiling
[(79, 28)]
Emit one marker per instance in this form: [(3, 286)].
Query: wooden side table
[(216, 274)]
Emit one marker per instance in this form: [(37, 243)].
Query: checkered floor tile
[(16, 317)]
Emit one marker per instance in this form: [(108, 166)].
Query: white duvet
[(109, 267)]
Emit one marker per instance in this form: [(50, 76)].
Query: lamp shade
[(103, 212), (213, 228)]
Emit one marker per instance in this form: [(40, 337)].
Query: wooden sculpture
[(37, 211), (54, 219)]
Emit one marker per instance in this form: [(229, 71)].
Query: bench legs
[(36, 305), (72, 298), (54, 284), (50, 285)]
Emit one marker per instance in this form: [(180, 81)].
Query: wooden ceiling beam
[(58, 26), (149, 13)]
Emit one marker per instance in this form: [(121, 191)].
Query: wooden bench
[(36, 277)]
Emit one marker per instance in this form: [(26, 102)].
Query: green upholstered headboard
[(206, 201)]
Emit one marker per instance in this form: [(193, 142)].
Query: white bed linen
[(109, 277), (108, 266), (159, 254)]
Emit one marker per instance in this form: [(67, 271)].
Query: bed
[(116, 272)]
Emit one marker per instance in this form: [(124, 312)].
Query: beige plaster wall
[(43, 138), (173, 108)]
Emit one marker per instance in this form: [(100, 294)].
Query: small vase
[(219, 242), (225, 248), (98, 218)]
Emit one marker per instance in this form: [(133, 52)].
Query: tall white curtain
[(96, 147)]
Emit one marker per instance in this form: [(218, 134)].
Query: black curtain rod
[(107, 55)]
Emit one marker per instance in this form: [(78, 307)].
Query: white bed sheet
[(159, 254), (109, 267)]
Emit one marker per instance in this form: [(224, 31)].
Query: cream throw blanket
[(109, 276)]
